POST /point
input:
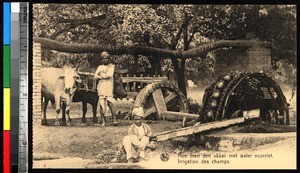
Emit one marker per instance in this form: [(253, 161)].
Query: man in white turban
[(138, 137)]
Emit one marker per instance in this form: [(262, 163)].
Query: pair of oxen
[(60, 86)]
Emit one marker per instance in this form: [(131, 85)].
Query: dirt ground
[(85, 142), (95, 147)]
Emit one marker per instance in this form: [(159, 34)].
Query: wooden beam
[(196, 129), (134, 84), (132, 94), (150, 111), (159, 102), (170, 97), (127, 85), (141, 83), (170, 115), (85, 73), (153, 109), (138, 79)]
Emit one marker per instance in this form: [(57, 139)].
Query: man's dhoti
[(103, 101), (135, 147)]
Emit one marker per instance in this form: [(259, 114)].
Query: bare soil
[(86, 142)]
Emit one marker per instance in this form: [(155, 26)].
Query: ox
[(59, 87), (87, 93)]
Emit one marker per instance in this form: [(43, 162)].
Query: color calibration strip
[(23, 89), (15, 90), (14, 82), (6, 87)]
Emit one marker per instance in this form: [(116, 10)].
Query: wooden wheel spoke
[(156, 97), (150, 111), (159, 102), (167, 100), (170, 97)]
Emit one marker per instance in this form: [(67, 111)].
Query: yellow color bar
[(6, 111)]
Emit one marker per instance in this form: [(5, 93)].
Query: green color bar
[(6, 66)]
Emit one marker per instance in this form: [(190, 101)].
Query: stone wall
[(36, 83)]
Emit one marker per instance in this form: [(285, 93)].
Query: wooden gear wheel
[(156, 98)]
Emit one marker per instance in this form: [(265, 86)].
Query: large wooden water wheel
[(236, 92), (160, 100)]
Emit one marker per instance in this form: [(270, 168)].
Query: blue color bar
[(6, 23)]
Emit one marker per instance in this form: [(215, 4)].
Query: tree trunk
[(155, 64), (181, 80), (136, 63), (179, 71)]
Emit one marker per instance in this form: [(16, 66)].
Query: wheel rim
[(173, 98)]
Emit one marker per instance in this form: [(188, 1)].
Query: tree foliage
[(170, 27)]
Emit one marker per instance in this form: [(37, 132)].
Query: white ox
[(58, 86)]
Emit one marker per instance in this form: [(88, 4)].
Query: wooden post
[(284, 117), (287, 117), (127, 85), (141, 84), (184, 122), (276, 117), (159, 103), (134, 84)]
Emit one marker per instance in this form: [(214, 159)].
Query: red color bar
[(6, 151)]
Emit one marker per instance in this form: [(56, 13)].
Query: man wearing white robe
[(105, 72), (138, 137)]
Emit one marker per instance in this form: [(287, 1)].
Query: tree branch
[(186, 44), (83, 21), (183, 25), (200, 51), (74, 23), (192, 36)]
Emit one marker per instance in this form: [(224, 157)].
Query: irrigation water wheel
[(236, 92), (158, 97)]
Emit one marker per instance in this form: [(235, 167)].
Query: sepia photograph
[(164, 86)]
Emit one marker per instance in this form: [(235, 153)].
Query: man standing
[(138, 137), (105, 72)]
